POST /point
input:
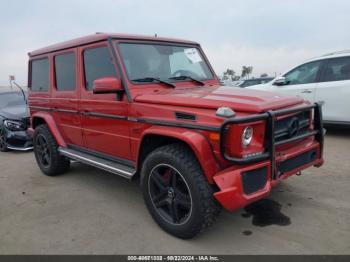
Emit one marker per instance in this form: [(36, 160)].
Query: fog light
[(247, 136)]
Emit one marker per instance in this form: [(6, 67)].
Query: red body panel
[(115, 127)]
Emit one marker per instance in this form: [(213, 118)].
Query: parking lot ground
[(87, 211)]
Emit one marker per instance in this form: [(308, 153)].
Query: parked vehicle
[(152, 109), (14, 121), (253, 81), (324, 79)]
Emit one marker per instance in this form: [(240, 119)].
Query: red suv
[(152, 109)]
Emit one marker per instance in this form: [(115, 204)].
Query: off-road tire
[(58, 164), (204, 207)]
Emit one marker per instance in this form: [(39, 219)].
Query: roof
[(103, 36), (330, 55)]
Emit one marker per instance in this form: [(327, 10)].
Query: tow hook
[(299, 173)]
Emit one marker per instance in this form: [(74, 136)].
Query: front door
[(65, 96), (301, 81), (104, 124)]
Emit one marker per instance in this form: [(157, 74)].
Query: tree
[(264, 75), (246, 71), (229, 74)]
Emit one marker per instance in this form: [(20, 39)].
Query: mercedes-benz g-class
[(152, 109)]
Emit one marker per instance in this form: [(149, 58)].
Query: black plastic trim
[(176, 124), (105, 115), (104, 156), (41, 108)]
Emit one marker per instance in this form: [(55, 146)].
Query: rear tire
[(51, 163), (176, 191)]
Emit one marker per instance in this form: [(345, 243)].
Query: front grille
[(254, 180), (298, 161), (292, 126)]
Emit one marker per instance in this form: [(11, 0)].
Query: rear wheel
[(46, 153), (176, 192), (3, 144)]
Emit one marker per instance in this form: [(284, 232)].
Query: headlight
[(14, 125), (247, 136)]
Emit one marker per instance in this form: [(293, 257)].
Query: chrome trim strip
[(20, 148), (96, 164)]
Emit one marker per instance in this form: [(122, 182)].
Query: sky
[(270, 35)]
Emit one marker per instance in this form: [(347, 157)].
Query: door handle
[(307, 91)]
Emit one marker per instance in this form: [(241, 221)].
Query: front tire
[(176, 191), (51, 163)]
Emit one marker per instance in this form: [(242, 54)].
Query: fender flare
[(197, 142), (52, 126)]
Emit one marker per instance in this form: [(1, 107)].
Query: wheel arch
[(196, 142), (41, 118)]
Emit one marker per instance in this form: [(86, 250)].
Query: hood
[(239, 99), (15, 112)]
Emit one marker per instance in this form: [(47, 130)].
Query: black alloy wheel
[(43, 152), (176, 191), (46, 152), (170, 194)]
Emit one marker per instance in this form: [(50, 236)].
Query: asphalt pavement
[(88, 211)]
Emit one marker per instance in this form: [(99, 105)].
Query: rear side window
[(337, 69), (97, 64), (65, 72), (40, 75)]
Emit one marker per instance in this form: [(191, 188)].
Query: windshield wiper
[(153, 79), (187, 77)]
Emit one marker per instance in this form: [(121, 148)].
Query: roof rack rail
[(337, 52)]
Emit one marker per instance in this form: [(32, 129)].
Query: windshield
[(10, 99), (163, 62)]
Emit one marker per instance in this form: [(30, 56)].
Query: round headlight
[(247, 136)]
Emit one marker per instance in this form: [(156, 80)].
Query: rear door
[(334, 90), (301, 81), (65, 96)]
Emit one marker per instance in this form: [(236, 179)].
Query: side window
[(337, 69), (65, 71), (40, 75), (97, 64), (304, 74)]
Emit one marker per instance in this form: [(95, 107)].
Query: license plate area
[(296, 162)]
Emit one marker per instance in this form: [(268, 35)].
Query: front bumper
[(251, 179), (19, 140)]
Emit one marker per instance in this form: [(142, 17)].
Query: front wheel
[(176, 191)]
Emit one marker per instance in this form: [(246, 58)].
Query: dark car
[(252, 82), (14, 121)]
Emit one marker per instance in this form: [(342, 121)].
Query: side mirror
[(108, 85), (280, 81)]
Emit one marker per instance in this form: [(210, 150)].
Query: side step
[(107, 165)]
